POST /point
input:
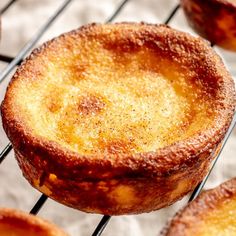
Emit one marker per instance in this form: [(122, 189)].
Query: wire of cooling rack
[(5, 152), (8, 5), (29, 46), (38, 205), (172, 14), (8, 59), (117, 11)]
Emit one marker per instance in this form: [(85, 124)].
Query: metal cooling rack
[(13, 62)]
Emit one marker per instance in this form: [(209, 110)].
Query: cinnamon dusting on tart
[(90, 104)]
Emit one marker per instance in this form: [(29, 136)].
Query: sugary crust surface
[(214, 20), (198, 77), (212, 213), (15, 222)]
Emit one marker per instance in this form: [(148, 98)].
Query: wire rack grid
[(14, 62)]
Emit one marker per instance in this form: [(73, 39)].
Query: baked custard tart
[(17, 223), (212, 213), (214, 20), (118, 118)]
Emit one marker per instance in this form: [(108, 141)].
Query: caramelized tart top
[(117, 90), (212, 213)]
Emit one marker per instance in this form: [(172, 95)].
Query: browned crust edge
[(205, 202), (162, 162), (11, 216)]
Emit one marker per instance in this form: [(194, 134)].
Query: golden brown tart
[(213, 19), (118, 118), (212, 213), (17, 223)]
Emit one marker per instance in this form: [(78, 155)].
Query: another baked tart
[(118, 118), (17, 223), (215, 20), (212, 213)]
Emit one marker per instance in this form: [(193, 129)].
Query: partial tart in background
[(118, 118), (17, 223), (214, 20), (212, 213)]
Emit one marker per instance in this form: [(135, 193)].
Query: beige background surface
[(18, 25)]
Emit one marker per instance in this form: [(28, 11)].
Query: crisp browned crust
[(214, 20), (118, 180), (15, 222), (194, 217)]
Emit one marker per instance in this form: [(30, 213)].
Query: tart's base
[(117, 196)]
